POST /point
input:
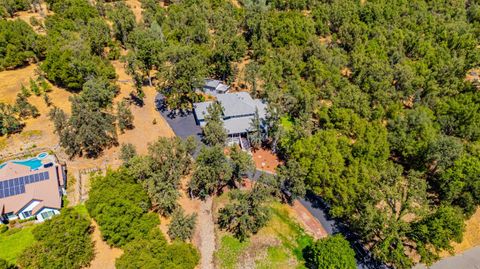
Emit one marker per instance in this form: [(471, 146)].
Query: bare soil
[(266, 160), (104, 254)]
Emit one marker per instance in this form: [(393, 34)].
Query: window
[(10, 215), (47, 215), (27, 214)]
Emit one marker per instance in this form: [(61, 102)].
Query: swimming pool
[(33, 163)]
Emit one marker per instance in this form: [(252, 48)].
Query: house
[(214, 87), (238, 112), (31, 188)]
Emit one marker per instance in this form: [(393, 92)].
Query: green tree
[(182, 226), (212, 172), (333, 252), (147, 46), (123, 21), (436, 232), (19, 43), (255, 135), (127, 152), (24, 108), (183, 71), (169, 160), (120, 207), (214, 134), (6, 265), (124, 116), (241, 162), (246, 214), (9, 122), (460, 184)]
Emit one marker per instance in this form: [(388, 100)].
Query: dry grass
[(39, 131)]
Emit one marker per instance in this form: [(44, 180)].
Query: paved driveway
[(183, 124)]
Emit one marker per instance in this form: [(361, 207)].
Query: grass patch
[(277, 257), (14, 242), (82, 210), (230, 250), (286, 238), (293, 236)]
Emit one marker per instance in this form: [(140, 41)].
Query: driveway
[(182, 123), (319, 210)]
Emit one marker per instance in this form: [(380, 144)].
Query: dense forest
[(368, 101)]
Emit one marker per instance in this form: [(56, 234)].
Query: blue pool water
[(33, 163)]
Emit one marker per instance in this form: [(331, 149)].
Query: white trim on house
[(46, 213)]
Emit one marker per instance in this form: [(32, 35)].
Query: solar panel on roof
[(16, 186)]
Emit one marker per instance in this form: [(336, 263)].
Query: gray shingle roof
[(238, 110)]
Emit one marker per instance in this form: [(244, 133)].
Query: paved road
[(470, 259)]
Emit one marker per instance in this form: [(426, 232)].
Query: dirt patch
[(266, 160), (308, 221), (105, 255)]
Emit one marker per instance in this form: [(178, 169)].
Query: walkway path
[(105, 255), (207, 234), (469, 259)]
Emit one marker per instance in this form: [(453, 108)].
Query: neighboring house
[(31, 188), (215, 87), (238, 112)]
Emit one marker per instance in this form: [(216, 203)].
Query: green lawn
[(278, 245), (14, 241)]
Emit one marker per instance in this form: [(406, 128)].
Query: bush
[(120, 206), (182, 226), (62, 242), (156, 253), (333, 252)]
